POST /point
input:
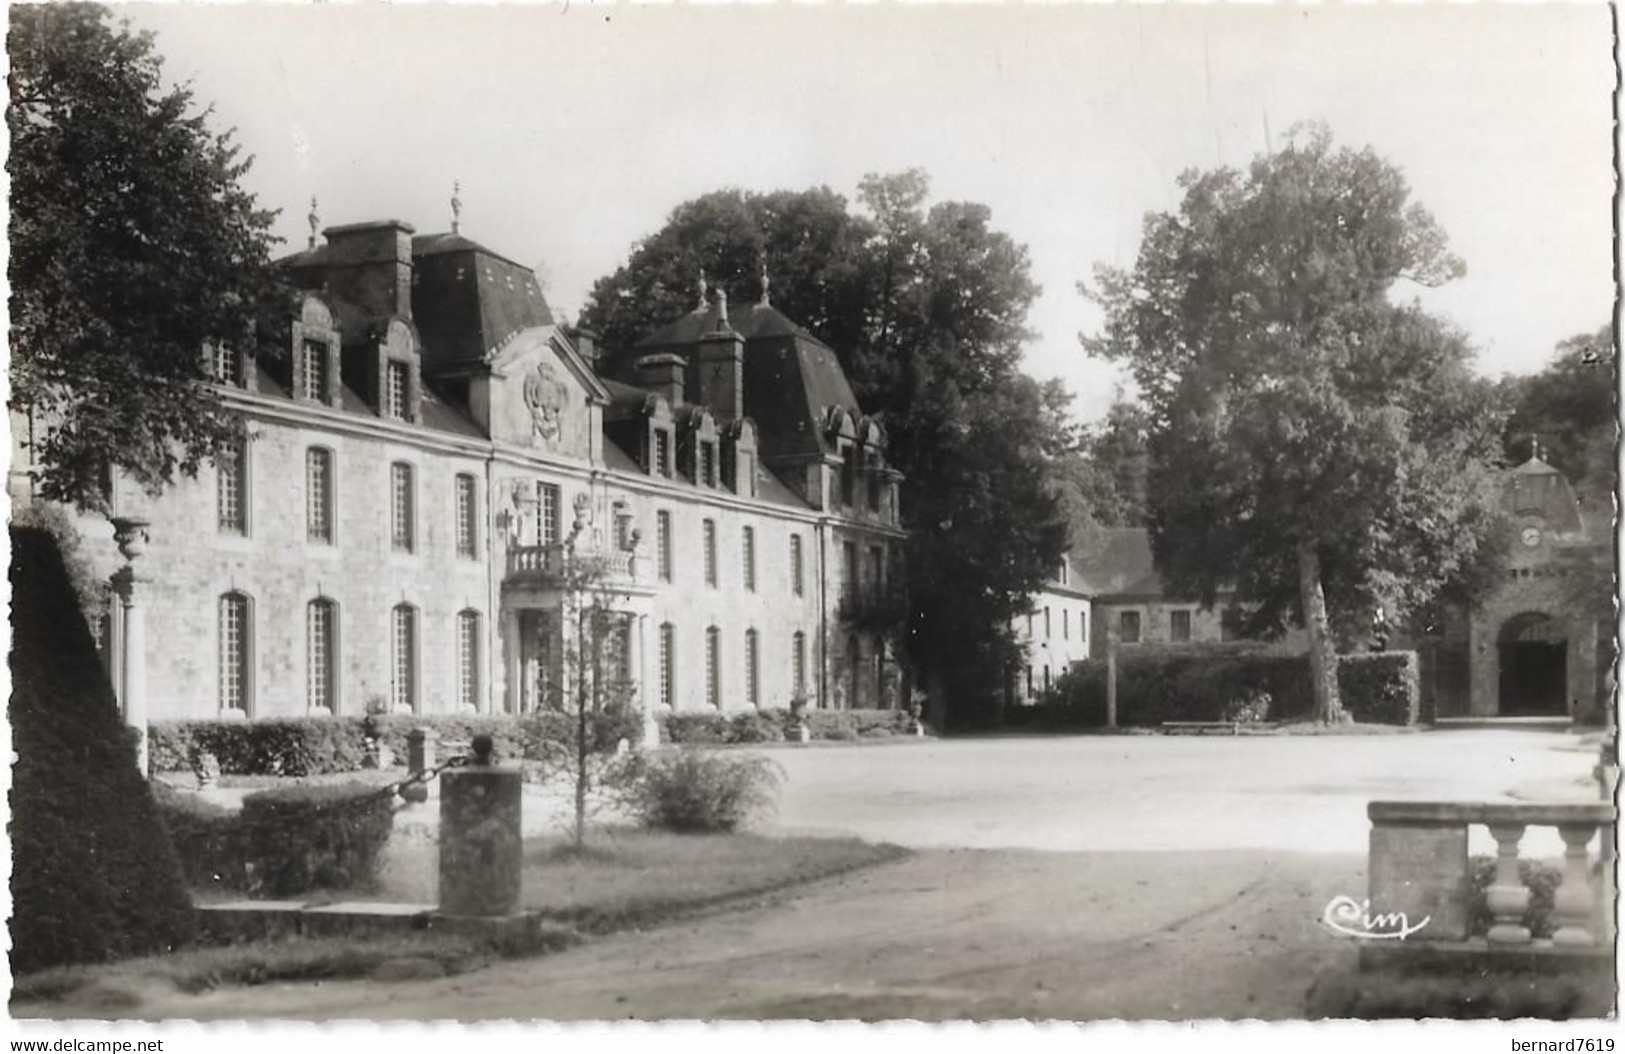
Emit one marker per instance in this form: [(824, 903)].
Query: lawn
[(625, 878)]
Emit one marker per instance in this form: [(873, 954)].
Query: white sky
[(575, 130)]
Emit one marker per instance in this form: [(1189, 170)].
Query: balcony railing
[(873, 608), (1419, 867), (556, 564)]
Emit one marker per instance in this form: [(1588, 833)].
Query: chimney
[(663, 375), (720, 362), (370, 265), (586, 342)]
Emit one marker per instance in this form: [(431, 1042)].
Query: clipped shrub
[(692, 791), (94, 876), (206, 837), (711, 727), (755, 726), (1381, 687), (296, 839), (1221, 682), (704, 727)]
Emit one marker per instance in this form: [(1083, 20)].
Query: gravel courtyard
[(1137, 877)]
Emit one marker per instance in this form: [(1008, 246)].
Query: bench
[(1200, 728)]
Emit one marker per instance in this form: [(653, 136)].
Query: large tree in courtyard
[(1315, 446), (925, 305), (132, 245)]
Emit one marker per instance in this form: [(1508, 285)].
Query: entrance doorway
[(1534, 667)]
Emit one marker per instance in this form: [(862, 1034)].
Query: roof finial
[(314, 220), (456, 204), (766, 284), (722, 308), (702, 289)]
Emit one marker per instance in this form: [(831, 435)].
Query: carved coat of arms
[(544, 397)]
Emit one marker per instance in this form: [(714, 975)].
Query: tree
[(1571, 409), (132, 247), (925, 306), (1102, 479), (1314, 446)]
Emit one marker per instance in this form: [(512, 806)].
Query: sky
[(575, 129)]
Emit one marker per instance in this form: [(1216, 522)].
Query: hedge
[(322, 745), (773, 725), (1215, 682), (93, 875), (284, 842)]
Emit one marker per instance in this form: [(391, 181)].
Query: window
[(798, 570), (1047, 631), (854, 660), (713, 666), (403, 659), (623, 531), (231, 487), (224, 364), (321, 655), (236, 647), (748, 555), (849, 559), (1128, 626), (468, 516), (798, 660), (1065, 570), (402, 509), (313, 364), (1047, 676), (872, 478), (849, 472), (396, 380), (623, 651), (1066, 623), (711, 553), (468, 661), (753, 686), (708, 465), (319, 495), (662, 453), (668, 668), (551, 500), (1029, 680), (877, 568), (1179, 626), (663, 543)]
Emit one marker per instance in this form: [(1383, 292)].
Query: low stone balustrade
[(546, 564), (1419, 867)]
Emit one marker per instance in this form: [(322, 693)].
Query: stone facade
[(1054, 635), (436, 460)]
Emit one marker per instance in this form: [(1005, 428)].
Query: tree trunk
[(1322, 656)]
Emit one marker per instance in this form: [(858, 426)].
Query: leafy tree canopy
[(132, 245), (1312, 444), (925, 304), (1102, 479), (1571, 407)]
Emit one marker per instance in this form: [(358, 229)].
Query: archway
[(1533, 653)]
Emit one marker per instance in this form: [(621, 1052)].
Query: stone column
[(420, 744), (511, 660), (131, 536), (481, 844)]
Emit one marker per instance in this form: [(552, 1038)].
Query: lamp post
[(131, 535)]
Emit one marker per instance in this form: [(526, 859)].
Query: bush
[(1381, 688), (284, 842), (754, 726), (1222, 682), (317, 746), (1542, 880), (698, 790), (713, 727), (94, 877)]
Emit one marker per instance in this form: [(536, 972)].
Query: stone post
[(131, 536), (514, 670), (481, 845), (420, 743), (1111, 678), (648, 692)]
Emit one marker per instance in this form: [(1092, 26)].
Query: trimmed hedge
[(94, 876), (713, 727), (1211, 682), (284, 842), (323, 745)]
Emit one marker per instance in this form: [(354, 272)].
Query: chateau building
[(438, 480)]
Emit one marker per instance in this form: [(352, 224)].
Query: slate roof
[(439, 414), (751, 321), (1115, 561)]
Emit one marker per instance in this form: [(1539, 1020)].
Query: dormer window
[(849, 474), (660, 444), (873, 481), (397, 380), (708, 464), (225, 366), (313, 367)]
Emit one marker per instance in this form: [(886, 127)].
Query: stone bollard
[(420, 743), (481, 848)]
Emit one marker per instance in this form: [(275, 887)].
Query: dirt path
[(943, 934)]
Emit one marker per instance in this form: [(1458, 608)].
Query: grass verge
[(625, 878)]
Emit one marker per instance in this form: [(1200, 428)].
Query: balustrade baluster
[(1507, 896), (1572, 902)]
